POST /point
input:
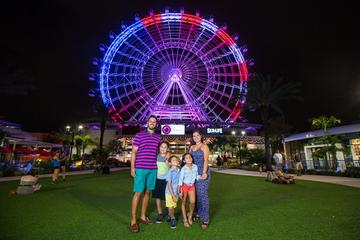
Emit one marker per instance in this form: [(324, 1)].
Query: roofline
[(352, 128)]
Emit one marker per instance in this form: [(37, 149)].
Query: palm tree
[(101, 115), (266, 94), (78, 141), (81, 143), (86, 141), (277, 129), (324, 122)]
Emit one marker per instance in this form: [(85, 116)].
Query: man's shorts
[(144, 179), (299, 166), (169, 201)]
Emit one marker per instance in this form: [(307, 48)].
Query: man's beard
[(151, 128)]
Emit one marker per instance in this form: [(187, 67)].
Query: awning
[(353, 128), (33, 143)]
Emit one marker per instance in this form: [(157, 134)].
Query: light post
[(242, 135), (72, 132), (234, 134)]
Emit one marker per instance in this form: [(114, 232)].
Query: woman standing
[(200, 154), (56, 166)]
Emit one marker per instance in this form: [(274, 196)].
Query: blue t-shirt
[(173, 176), (56, 163)]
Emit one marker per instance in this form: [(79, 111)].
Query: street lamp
[(242, 135), (72, 132)]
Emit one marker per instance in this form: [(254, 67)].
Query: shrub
[(8, 172), (256, 156), (100, 155), (349, 172)]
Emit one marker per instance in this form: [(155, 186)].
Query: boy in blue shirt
[(171, 190)]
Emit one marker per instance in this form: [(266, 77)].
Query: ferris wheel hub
[(175, 75)]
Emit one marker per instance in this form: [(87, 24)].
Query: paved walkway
[(353, 182), (5, 179)]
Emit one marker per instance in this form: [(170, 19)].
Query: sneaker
[(159, 218), (168, 218), (173, 223)]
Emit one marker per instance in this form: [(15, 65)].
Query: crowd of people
[(169, 179)]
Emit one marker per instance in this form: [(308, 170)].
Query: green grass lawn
[(98, 207)]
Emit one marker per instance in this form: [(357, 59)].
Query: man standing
[(144, 170), (278, 160), (298, 164)]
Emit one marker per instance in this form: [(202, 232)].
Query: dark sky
[(51, 45)]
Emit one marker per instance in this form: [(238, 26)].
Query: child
[(171, 191), (188, 175), (162, 168)]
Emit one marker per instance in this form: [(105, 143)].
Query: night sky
[(47, 49)]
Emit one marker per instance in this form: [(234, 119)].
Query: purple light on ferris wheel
[(174, 66)]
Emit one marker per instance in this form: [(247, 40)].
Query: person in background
[(63, 159), (298, 164), (56, 167), (225, 160), (278, 158), (219, 162), (28, 184)]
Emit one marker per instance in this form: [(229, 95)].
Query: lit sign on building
[(214, 131), (172, 129)]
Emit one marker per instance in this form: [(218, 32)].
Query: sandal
[(134, 228), (190, 221), (146, 221), (196, 218), (186, 224), (204, 225)]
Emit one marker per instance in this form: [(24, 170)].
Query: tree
[(86, 141), (114, 147), (81, 143), (265, 95), (324, 122), (101, 115), (78, 144), (277, 129)]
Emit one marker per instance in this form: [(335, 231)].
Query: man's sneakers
[(173, 223), (159, 218)]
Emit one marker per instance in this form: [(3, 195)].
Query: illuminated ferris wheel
[(176, 66)]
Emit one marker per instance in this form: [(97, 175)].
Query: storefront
[(308, 143)]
